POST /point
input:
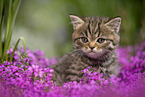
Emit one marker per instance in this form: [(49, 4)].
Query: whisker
[(73, 56), (104, 56)]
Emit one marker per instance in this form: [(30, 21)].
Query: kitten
[(95, 40)]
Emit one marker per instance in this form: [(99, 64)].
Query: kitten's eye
[(101, 40), (84, 39)]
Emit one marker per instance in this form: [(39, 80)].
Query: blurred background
[(45, 24)]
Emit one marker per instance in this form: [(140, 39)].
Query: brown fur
[(95, 40)]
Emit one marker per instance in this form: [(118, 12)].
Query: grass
[(8, 13)]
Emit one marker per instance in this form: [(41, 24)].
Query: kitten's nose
[(92, 45)]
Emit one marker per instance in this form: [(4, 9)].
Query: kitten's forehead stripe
[(89, 30), (89, 27), (96, 28), (98, 32), (93, 27), (86, 33)]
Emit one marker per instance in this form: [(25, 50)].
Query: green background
[(45, 24)]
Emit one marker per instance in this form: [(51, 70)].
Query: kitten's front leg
[(58, 75), (112, 70), (58, 78)]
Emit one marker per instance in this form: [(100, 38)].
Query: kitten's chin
[(92, 55)]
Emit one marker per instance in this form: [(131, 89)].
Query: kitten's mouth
[(92, 54), (97, 55), (91, 51)]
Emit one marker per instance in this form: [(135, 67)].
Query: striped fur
[(95, 40)]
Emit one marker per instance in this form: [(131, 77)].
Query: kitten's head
[(95, 36)]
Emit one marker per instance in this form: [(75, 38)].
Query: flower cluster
[(26, 75), (30, 76)]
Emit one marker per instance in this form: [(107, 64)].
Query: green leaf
[(16, 45), (1, 25), (10, 8)]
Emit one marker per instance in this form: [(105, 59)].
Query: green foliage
[(8, 12)]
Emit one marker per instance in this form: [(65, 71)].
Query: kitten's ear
[(76, 21), (114, 24)]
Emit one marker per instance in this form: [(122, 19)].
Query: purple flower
[(31, 77)]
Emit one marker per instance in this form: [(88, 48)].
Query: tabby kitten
[(95, 40)]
